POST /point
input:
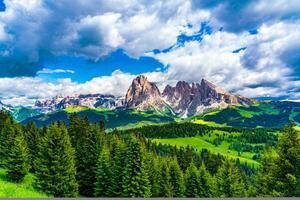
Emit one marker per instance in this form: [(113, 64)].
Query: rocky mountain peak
[(143, 94)]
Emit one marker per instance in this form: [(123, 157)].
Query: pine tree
[(116, 162), (86, 144), (176, 179), (229, 181), (55, 165), (103, 175), (154, 171), (32, 136), (192, 181), (286, 169), (165, 182), (17, 161), (7, 130), (264, 180), (135, 180), (204, 188)]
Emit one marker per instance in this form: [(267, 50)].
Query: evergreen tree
[(116, 164), (103, 175), (86, 144), (165, 183), (204, 189), (264, 180), (176, 179), (286, 169), (55, 166), (192, 181), (135, 180), (7, 130), (17, 160), (155, 177), (229, 181), (32, 137)]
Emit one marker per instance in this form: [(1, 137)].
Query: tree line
[(83, 160)]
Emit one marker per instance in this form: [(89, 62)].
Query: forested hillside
[(81, 159)]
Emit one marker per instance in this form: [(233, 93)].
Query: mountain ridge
[(183, 99)]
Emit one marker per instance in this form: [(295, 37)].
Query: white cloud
[(91, 28), (52, 71), (258, 70)]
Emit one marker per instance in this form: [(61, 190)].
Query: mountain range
[(145, 104), (183, 99)]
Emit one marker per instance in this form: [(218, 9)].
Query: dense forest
[(82, 159)]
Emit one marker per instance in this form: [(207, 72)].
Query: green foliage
[(55, 165), (104, 174), (204, 188), (17, 162), (192, 181), (32, 136), (283, 171), (176, 179), (7, 130), (229, 181), (85, 140), (135, 180), (165, 183)]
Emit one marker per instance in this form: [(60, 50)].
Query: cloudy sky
[(47, 47)]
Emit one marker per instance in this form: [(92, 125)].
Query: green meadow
[(207, 142), (24, 189)]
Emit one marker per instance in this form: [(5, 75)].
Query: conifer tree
[(55, 165), (135, 180), (116, 163), (192, 181), (154, 171), (7, 130), (86, 144), (32, 137), (17, 161), (204, 189), (286, 169), (176, 179), (165, 183), (229, 181), (104, 173), (266, 181)]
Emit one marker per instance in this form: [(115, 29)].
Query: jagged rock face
[(187, 100), (89, 100), (143, 95), (179, 97), (184, 99)]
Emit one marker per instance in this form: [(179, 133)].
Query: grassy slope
[(18, 190), (112, 118), (262, 114), (200, 142)]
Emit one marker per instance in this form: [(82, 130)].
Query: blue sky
[(48, 47)]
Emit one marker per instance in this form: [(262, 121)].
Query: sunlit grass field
[(24, 189), (206, 142)]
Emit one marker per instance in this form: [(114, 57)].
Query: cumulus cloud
[(26, 90), (261, 69), (33, 30), (267, 63)]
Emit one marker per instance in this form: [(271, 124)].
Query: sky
[(48, 48)]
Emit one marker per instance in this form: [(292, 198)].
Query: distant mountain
[(88, 100), (186, 99), (19, 113), (183, 100)]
